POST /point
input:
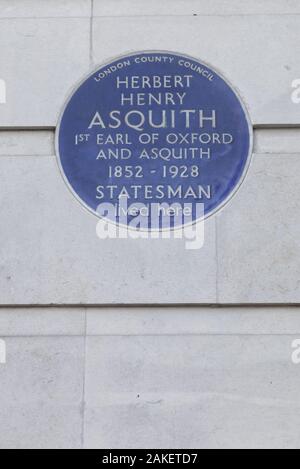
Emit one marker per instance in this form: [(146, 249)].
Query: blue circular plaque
[(154, 129)]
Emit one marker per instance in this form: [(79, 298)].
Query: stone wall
[(143, 344)]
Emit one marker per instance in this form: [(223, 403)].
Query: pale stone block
[(26, 143), (44, 8), (175, 320), (46, 370), (191, 392), (192, 422), (40, 427), (277, 141), (258, 236), (262, 75), (40, 61), (194, 7), (42, 321), (42, 392), (50, 253)]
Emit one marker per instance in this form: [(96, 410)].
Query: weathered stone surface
[(52, 55), (258, 233), (262, 74), (191, 392), (50, 253), (194, 7)]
